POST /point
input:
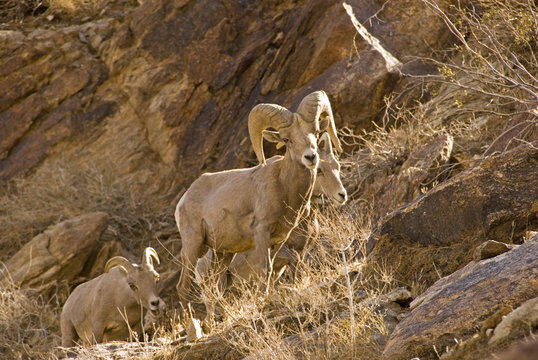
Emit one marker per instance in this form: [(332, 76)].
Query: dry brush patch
[(484, 95), (28, 324), (322, 314), (31, 12), (29, 205)]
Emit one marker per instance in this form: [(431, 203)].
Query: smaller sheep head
[(328, 180), (142, 279)]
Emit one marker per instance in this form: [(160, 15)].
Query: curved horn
[(150, 253), (317, 107), (263, 116), (311, 106), (118, 261)]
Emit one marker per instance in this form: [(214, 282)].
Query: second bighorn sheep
[(237, 210), (109, 306)]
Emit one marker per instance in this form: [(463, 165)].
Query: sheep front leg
[(98, 330), (184, 285), (69, 334), (262, 241)]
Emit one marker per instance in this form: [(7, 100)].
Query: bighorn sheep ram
[(109, 306), (237, 210), (328, 183)]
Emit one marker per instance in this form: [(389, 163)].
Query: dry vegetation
[(485, 93), (58, 192), (322, 314), (28, 324)]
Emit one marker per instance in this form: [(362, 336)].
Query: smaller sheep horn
[(118, 261), (150, 253)]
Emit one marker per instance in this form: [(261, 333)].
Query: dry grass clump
[(28, 325), (60, 191), (322, 314), (17, 9)]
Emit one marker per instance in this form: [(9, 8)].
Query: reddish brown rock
[(405, 186), (436, 234), (490, 249), (455, 306), (58, 254)]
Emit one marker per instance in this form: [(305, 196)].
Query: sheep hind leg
[(219, 266), (189, 255)]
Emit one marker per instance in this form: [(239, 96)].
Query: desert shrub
[(77, 7), (28, 325), (20, 10), (17, 9), (322, 313), (490, 83)]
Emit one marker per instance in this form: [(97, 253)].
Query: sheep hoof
[(194, 330)]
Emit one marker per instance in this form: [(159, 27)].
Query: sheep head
[(142, 279), (328, 180), (298, 130)]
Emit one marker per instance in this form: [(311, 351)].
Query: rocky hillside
[(111, 108)]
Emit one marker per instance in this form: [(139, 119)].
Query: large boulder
[(459, 305), (436, 234), (57, 255)]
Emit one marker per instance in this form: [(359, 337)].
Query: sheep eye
[(286, 140), (320, 172), (133, 286)]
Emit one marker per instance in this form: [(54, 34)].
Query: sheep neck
[(298, 182)]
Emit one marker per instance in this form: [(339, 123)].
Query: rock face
[(403, 187), (47, 77), (163, 93), (438, 232), (58, 254), (443, 312)]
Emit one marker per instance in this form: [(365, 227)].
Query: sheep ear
[(271, 136), (325, 143), (274, 137)]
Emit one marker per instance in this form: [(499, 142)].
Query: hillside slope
[(110, 109)]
